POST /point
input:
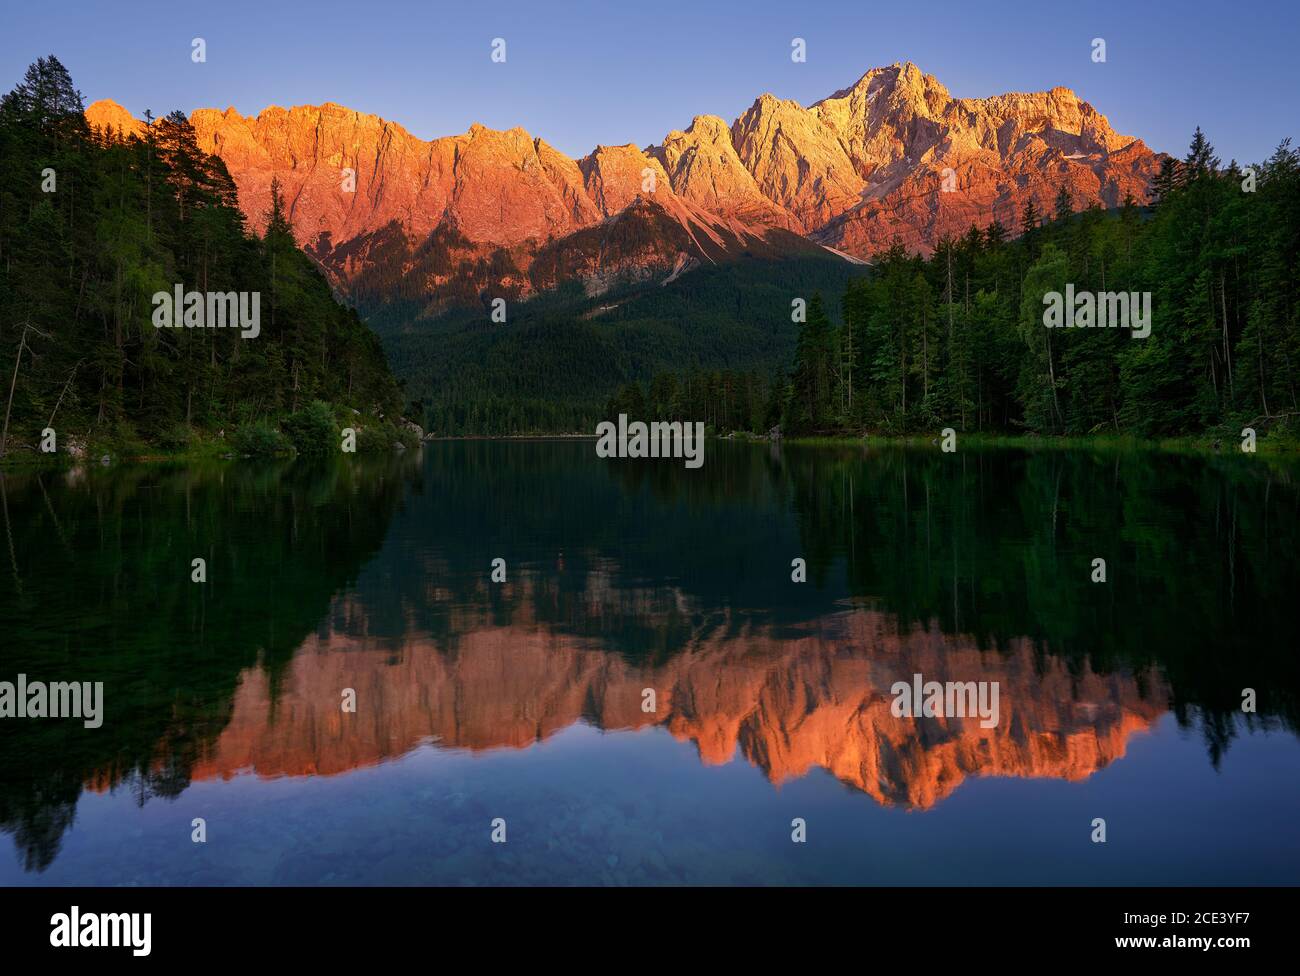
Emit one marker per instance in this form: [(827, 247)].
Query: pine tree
[(1029, 219), (810, 379), (1200, 160), (1165, 182), (1064, 204)]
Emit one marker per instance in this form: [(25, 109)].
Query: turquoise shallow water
[(525, 701)]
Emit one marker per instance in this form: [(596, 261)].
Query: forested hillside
[(92, 225), (558, 358)]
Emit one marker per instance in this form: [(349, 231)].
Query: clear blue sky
[(621, 71)]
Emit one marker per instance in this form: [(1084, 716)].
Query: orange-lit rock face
[(851, 171), (108, 115), (821, 700), (493, 187), (706, 169), (903, 130), (798, 162)]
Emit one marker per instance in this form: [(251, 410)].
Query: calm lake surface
[(526, 700)]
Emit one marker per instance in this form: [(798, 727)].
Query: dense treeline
[(958, 339), (559, 357), (725, 400), (92, 225)]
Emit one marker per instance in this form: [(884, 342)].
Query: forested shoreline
[(92, 224)]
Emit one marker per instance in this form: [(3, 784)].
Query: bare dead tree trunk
[(1227, 351), (13, 382), (63, 392)]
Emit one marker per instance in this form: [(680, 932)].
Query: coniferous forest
[(92, 225)]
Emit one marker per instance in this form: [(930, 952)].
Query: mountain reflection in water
[(817, 698), (623, 577)]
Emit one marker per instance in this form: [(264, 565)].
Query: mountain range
[(503, 213)]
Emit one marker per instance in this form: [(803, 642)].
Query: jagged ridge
[(851, 172)]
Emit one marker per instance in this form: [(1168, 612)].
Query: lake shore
[(1203, 444), (1208, 445)]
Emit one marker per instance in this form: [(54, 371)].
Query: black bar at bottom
[(332, 925)]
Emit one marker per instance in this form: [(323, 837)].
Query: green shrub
[(374, 439), (259, 439), (176, 437), (312, 430)]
